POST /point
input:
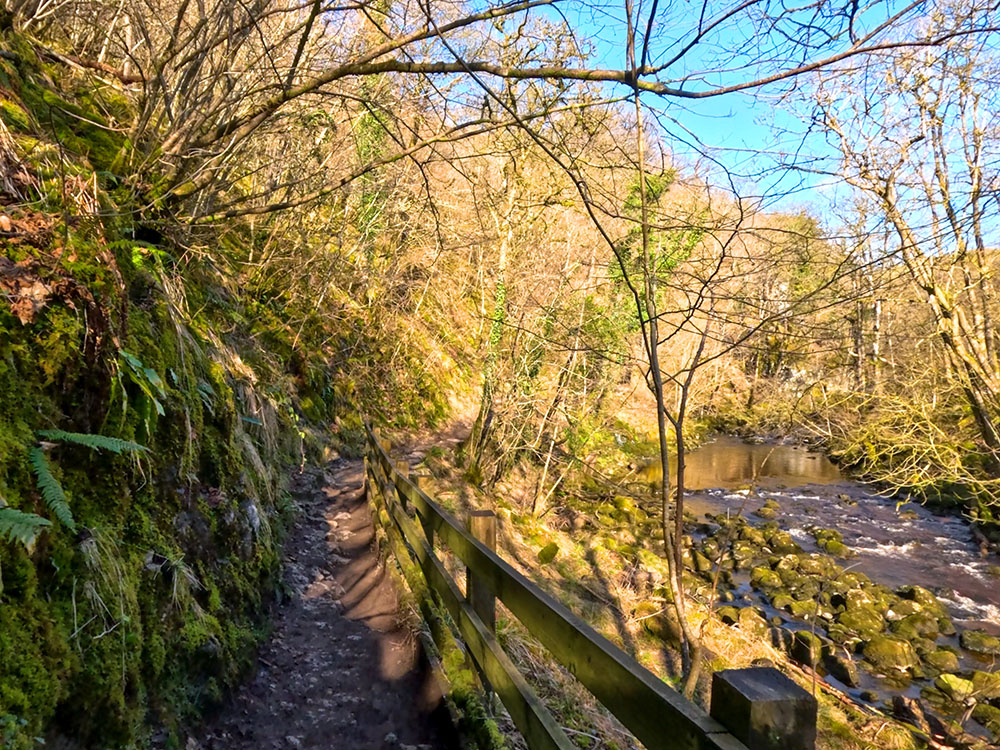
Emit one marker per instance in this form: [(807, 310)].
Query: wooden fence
[(762, 707)]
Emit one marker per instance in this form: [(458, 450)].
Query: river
[(896, 543)]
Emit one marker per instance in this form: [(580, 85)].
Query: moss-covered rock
[(980, 642), (986, 685), (956, 688), (941, 660), (888, 653), (989, 717), (807, 648), (919, 625), (842, 667), (927, 601), (865, 621), (765, 578)]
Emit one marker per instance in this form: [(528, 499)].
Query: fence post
[(764, 709), (423, 484), (483, 526)]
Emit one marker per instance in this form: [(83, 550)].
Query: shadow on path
[(342, 668)]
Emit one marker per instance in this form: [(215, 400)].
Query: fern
[(94, 442), (18, 526), (52, 491)]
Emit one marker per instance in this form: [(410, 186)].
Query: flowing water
[(896, 544)]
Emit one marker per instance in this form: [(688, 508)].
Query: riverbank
[(601, 556)]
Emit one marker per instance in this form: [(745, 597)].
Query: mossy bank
[(128, 612)]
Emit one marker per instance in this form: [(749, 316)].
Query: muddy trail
[(343, 667)]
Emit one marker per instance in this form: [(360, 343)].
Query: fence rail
[(765, 708)]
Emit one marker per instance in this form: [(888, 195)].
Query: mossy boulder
[(986, 685), (729, 615), (837, 549), (956, 688), (752, 536), (744, 551), (781, 543), (858, 598), (924, 598), (980, 642), (842, 667), (989, 717), (807, 648), (919, 625), (752, 621), (764, 578), (662, 625), (888, 654), (818, 565), (785, 563), (940, 701), (942, 660), (782, 601), (865, 621)]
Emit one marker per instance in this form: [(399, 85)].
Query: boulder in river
[(956, 688), (989, 717), (888, 653), (924, 598), (865, 621), (980, 642), (986, 685), (942, 660), (765, 578), (918, 625)]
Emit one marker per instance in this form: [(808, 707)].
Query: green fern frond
[(94, 442), (52, 491), (18, 526)]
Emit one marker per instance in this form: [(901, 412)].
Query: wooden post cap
[(764, 709)]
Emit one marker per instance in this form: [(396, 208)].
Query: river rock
[(807, 648), (729, 615), (986, 685), (980, 642), (765, 578), (942, 660), (844, 636), (766, 513), (843, 668), (752, 621), (946, 626), (940, 700), (956, 688), (818, 565), (918, 625), (753, 536), (924, 598), (837, 549), (785, 562), (743, 551), (782, 601), (889, 654), (865, 621), (989, 717), (781, 543)]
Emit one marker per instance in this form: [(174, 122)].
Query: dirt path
[(340, 670)]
